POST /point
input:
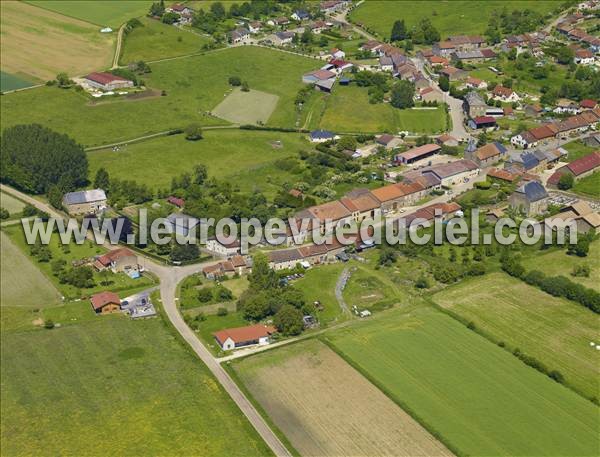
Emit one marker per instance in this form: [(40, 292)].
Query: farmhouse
[(579, 168), (429, 94), (474, 104), (300, 15), (388, 141), (232, 338), (333, 212), (372, 46), (317, 75), (224, 249), (361, 203), (418, 153), (338, 54), (255, 26), (118, 260), (395, 196), (452, 173), (522, 162), (446, 140), (105, 302), (179, 9), (585, 217), (566, 106), (281, 38), (530, 198), (486, 155), (219, 270), (454, 74), (482, 122), (531, 138), (584, 57), (284, 259), (505, 94), (502, 175), (85, 202), (322, 136), (107, 81), (475, 83), (239, 35)]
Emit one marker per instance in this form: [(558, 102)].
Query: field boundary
[(506, 346), (432, 430), (63, 14)]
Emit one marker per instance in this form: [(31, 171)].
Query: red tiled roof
[(585, 163), (419, 151), (541, 132), (115, 255), (104, 78), (484, 120), (502, 174), (179, 202), (104, 298), (588, 103), (243, 334)]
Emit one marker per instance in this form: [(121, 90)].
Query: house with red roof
[(178, 202), (105, 302), (505, 94), (588, 103), (579, 168), (118, 260), (232, 338), (107, 81)]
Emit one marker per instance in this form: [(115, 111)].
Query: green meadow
[(474, 396), (458, 17), (190, 92)]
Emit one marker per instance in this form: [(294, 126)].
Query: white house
[(584, 57), (226, 250), (338, 53), (565, 106)]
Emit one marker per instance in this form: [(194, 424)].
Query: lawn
[(577, 150), (99, 12), (327, 408), (557, 262), (118, 282), (110, 386), (450, 18), (156, 40), (224, 152), (37, 44), (348, 110), (589, 185), (479, 398), (12, 82), (193, 86), (22, 283), (252, 107), (555, 331), (318, 284)]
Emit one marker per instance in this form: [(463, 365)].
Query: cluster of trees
[(403, 93), (267, 296), (120, 192), (377, 83), (517, 22), (558, 286), (35, 158), (217, 294), (423, 33)]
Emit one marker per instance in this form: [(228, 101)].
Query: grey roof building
[(84, 196)]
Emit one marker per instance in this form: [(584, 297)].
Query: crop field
[(109, 385), (557, 262), (11, 204), (116, 282), (191, 91), (99, 12), (590, 185), (327, 408), (458, 17), (224, 152), (348, 110), (39, 44), (22, 283), (253, 107), (12, 82), (156, 40), (555, 331), (477, 397)]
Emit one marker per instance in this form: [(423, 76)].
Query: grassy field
[(577, 150), (476, 396), (553, 330), (224, 152), (22, 283), (119, 282), (39, 44), (11, 204), (589, 185), (193, 86), (348, 110), (156, 40), (456, 17), (12, 82), (318, 284), (557, 262), (327, 408), (99, 12), (252, 107), (109, 385)]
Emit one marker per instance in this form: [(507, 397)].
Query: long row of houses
[(559, 129)]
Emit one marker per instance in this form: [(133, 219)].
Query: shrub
[(581, 271), (193, 132), (222, 311), (205, 295), (49, 324), (235, 81)]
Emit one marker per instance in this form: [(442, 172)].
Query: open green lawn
[(156, 40), (251, 107), (589, 185), (193, 86), (479, 398), (318, 284), (119, 282), (577, 150), (22, 283), (557, 262), (108, 386), (555, 331), (99, 12), (11, 204), (348, 110), (450, 18), (224, 152)]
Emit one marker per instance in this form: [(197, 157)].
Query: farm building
[(530, 198), (107, 81), (474, 104), (284, 259), (232, 338), (452, 173), (388, 141), (219, 270), (580, 168), (482, 122), (418, 153), (118, 260), (224, 249), (281, 38), (85, 202), (106, 303), (361, 203), (486, 155), (317, 75), (586, 219)]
